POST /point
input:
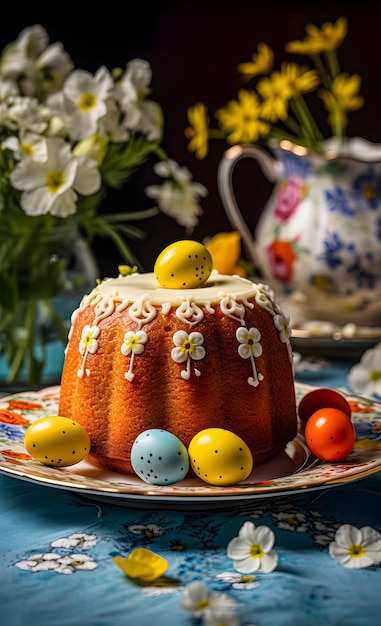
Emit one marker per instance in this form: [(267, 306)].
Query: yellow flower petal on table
[(225, 249), (142, 564)]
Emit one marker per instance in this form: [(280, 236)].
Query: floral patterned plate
[(291, 472)]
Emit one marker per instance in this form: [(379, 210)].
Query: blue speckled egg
[(159, 457)]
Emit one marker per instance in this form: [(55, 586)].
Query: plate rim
[(321, 472)]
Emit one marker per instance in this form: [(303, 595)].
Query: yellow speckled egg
[(184, 264), (57, 441), (220, 457)]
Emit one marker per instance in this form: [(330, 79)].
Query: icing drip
[(263, 297), (142, 311), (189, 312), (144, 301), (231, 308)]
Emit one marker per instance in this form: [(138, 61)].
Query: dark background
[(194, 49)]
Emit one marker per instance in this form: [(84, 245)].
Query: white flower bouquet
[(66, 137)]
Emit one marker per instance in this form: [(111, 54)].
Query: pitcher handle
[(225, 187)]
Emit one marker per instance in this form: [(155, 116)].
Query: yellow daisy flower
[(300, 79), (240, 119), (329, 37), (197, 132), (276, 93), (262, 62)]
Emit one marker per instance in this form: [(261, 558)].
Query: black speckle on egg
[(63, 432)]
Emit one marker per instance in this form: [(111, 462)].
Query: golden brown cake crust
[(115, 396)]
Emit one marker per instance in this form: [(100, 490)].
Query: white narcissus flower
[(199, 601), (82, 102), (140, 115), (28, 146), (51, 186), (365, 377), (25, 114), (356, 548), (34, 64), (252, 550), (177, 197)]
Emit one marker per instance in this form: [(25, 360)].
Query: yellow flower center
[(375, 375), (187, 347), (133, 341), (88, 340), (54, 181), (356, 550), (202, 604), (256, 551), (27, 149), (87, 102)]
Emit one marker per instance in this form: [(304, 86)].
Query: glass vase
[(50, 275)]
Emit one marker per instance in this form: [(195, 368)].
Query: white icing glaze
[(142, 296)]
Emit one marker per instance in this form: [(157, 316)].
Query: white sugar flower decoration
[(248, 349), (365, 377), (89, 342), (133, 343), (356, 548), (188, 347), (88, 345), (199, 601), (252, 550), (177, 197), (282, 323)]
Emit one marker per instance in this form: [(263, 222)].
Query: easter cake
[(181, 349)]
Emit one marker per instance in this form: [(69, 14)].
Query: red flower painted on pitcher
[(281, 257), (290, 195)]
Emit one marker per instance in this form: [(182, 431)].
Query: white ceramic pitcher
[(318, 239)]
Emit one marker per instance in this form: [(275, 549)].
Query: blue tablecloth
[(83, 586)]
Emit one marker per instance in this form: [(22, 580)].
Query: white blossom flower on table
[(59, 564), (76, 540), (199, 601), (239, 581), (365, 377), (356, 548), (252, 550)]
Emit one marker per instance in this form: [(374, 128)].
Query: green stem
[(333, 63)]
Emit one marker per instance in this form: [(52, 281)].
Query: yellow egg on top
[(185, 264)]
